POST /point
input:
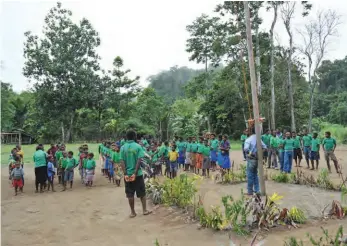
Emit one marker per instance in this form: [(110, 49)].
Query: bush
[(324, 181)]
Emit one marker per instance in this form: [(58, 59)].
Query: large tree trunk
[(257, 60), (311, 108), (69, 131), (62, 132), (272, 68), (290, 85), (208, 116)]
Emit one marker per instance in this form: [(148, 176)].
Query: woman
[(225, 147), (40, 160)]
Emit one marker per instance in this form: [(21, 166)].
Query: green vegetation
[(75, 99)]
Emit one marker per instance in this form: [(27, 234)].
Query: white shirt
[(251, 144)]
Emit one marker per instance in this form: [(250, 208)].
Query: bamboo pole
[(254, 98)]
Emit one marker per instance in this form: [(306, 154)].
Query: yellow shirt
[(21, 154), (173, 156)]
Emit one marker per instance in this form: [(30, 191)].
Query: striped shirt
[(17, 173)]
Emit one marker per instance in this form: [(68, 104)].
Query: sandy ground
[(99, 216)]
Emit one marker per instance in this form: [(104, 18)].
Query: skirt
[(219, 158), (180, 159), (89, 175), (225, 162), (188, 160), (41, 174), (193, 159), (214, 156), (206, 163), (199, 160)]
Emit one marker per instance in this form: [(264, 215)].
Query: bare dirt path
[(99, 216)]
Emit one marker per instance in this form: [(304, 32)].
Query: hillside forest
[(72, 98)]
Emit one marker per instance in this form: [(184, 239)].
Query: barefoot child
[(16, 176), (173, 156), (199, 156), (50, 173), (206, 165), (71, 163), (315, 146), (90, 170)]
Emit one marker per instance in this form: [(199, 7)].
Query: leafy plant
[(154, 191), (343, 194), (324, 240), (297, 215), (323, 180), (281, 178)]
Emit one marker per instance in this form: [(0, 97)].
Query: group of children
[(289, 146)]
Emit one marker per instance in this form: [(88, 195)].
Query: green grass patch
[(30, 149)]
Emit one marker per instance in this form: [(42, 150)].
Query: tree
[(62, 62), (315, 36), (274, 6), (7, 108), (287, 11)]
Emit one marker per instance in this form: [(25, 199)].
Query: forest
[(72, 98)]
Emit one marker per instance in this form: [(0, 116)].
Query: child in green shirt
[(315, 146)]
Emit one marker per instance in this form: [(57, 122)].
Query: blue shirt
[(251, 144), (50, 169)]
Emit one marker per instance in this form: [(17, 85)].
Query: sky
[(149, 35)]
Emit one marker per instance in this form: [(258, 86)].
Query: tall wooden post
[(254, 98)]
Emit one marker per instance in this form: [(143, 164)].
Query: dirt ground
[(99, 216)]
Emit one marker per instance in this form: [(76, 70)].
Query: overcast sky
[(149, 35)]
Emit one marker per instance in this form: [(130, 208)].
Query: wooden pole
[(254, 98)]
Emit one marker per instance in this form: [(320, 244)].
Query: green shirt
[(84, 162), (194, 147), (307, 140), (266, 139), (181, 145), (130, 153), (280, 144), (70, 163), (58, 155), (288, 144), (40, 158), (315, 144), (115, 156), (205, 150), (329, 143), (214, 144), (122, 142), (90, 164), (274, 142), (243, 138), (296, 142), (189, 147), (144, 142), (200, 148)]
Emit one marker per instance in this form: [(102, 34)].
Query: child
[(61, 167), (288, 145), (83, 155), (206, 165), (90, 170), (199, 156), (111, 164), (188, 160), (58, 158), (181, 145), (116, 165), (17, 176), (71, 163), (50, 173), (315, 146), (173, 156), (214, 143), (11, 165)]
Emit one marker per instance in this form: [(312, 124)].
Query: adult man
[(250, 149), (131, 154), (329, 145), (297, 153), (306, 142)]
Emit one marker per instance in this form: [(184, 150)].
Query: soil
[(99, 215)]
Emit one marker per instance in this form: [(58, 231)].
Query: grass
[(30, 149), (93, 147)]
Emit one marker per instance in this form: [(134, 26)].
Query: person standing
[(306, 142), (329, 146), (267, 153), (243, 139), (225, 158), (131, 154), (40, 160), (214, 143), (188, 159), (315, 147), (274, 150), (297, 153), (250, 148), (288, 145)]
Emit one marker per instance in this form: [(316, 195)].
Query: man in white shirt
[(250, 148)]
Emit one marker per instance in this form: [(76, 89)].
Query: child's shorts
[(17, 183), (314, 155), (173, 166), (68, 177)]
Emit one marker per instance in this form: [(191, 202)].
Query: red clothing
[(17, 183), (52, 151), (82, 156)]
